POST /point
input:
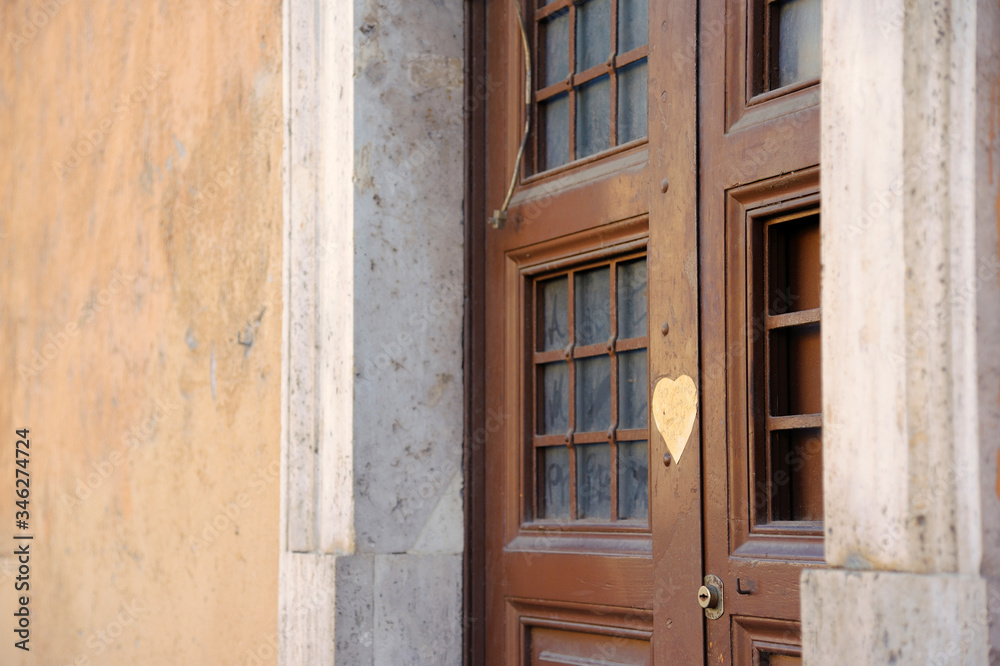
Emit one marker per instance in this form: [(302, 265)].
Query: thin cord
[(500, 216)]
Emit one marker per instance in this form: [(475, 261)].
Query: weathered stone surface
[(899, 364), (140, 245), (418, 609), (893, 618), (307, 614), (376, 295), (355, 599), (408, 265)]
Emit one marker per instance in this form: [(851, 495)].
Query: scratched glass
[(555, 123), (632, 102), (593, 117), (593, 481), (593, 33), (593, 394), (632, 299), (633, 481), (633, 19), (554, 313), (553, 461), (799, 31), (554, 405), (556, 54), (632, 394), (592, 306)]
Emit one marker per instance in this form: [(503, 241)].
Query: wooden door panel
[(759, 212), (549, 633), (566, 588), (765, 642), (555, 647), (601, 571), (583, 578), (548, 207), (678, 622)]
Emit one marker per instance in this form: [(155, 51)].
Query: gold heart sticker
[(675, 403)]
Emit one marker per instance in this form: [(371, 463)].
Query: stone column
[(372, 538), (900, 396)]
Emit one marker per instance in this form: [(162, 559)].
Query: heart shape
[(675, 403)]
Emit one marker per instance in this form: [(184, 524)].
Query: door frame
[(477, 423)]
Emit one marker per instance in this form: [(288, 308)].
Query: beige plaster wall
[(140, 326)]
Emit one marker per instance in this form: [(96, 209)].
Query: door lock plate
[(710, 597)]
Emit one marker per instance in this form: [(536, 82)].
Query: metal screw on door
[(710, 597)]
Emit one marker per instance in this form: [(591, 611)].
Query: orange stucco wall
[(140, 327)]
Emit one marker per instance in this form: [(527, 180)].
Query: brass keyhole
[(710, 597)]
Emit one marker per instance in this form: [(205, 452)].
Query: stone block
[(418, 609), (878, 617)]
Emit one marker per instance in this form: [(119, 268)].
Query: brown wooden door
[(619, 308), (760, 309)]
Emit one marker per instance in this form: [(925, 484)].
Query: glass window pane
[(798, 40), (592, 307), (553, 315), (593, 394), (555, 32), (632, 299), (593, 33), (553, 463), (553, 405), (795, 379), (633, 481), (796, 483), (593, 117), (593, 481), (632, 391), (632, 102), (633, 17), (793, 270), (555, 132)]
